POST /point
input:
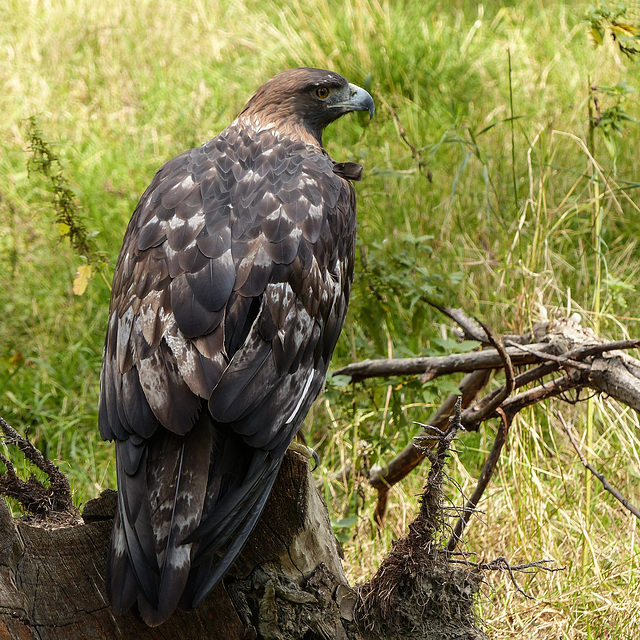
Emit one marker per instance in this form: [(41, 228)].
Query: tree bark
[(288, 583)]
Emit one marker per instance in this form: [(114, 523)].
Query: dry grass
[(542, 503)]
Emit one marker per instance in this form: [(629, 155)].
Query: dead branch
[(483, 481), (53, 502), (605, 483), (553, 389), (490, 464), (479, 413), (431, 367), (471, 327), (583, 360)]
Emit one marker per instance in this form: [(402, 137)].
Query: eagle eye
[(322, 92)]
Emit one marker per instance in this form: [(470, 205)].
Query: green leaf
[(345, 523), (338, 380)]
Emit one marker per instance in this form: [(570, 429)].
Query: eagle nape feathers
[(229, 294)]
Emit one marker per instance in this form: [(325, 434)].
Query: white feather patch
[(124, 338), (303, 397), (195, 222)]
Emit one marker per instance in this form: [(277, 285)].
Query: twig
[(544, 391), (443, 438), (476, 414), (416, 153), (473, 329), (472, 416), (485, 477), (32, 494), (605, 483), (502, 564), (572, 357), (563, 360)]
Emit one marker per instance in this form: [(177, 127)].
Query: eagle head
[(307, 100)]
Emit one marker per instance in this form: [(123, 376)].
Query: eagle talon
[(305, 451)]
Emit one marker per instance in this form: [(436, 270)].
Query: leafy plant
[(619, 21), (45, 162)]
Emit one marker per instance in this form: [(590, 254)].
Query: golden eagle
[(229, 294)]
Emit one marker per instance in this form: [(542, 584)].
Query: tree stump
[(288, 583)]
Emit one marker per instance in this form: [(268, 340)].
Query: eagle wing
[(229, 295)]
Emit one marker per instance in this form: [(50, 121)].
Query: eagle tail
[(160, 505), (186, 508), (227, 528)]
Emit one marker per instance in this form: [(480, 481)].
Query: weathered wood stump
[(288, 583)]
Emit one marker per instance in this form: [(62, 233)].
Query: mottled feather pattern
[(229, 295), (244, 264)]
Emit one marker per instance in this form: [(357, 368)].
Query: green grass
[(507, 218)]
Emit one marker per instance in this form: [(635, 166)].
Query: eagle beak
[(359, 100)]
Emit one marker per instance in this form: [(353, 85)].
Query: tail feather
[(178, 469), (158, 506), (132, 556), (211, 564), (184, 514), (224, 507), (122, 583)]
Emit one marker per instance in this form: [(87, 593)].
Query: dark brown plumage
[(229, 294)]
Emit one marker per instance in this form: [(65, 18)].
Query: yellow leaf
[(83, 275), (16, 359), (597, 35), (63, 229), (625, 29)]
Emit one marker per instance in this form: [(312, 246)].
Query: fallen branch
[(552, 347), (605, 483), (431, 367), (481, 411), (472, 329)]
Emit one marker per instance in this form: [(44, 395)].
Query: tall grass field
[(501, 176)]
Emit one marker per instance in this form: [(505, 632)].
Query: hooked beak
[(358, 100)]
